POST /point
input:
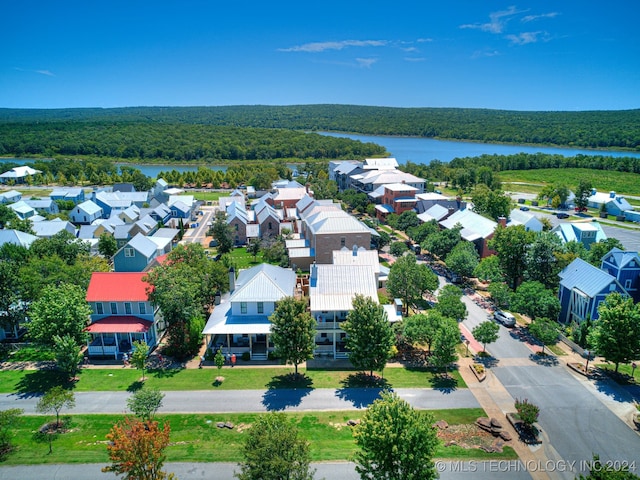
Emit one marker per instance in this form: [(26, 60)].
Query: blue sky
[(543, 55)]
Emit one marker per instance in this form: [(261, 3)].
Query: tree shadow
[(361, 389), (35, 383), (286, 391), (444, 383), (165, 372), (135, 386), (487, 360), (544, 360)]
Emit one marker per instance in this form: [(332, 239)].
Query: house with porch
[(240, 323), (18, 174), (121, 314)]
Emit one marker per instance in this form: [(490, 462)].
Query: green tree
[(422, 328), (541, 259), (139, 355), (63, 244), (54, 400), (253, 248), (398, 248), (489, 269), (493, 204), (222, 232), (443, 352), (67, 354), (486, 332), (59, 311), (409, 280), (420, 232), (107, 245), (601, 248), (369, 335), (450, 304), (616, 332), (395, 441), (511, 244), (534, 300), (527, 411), (500, 294), (293, 331), (145, 402), (273, 450), (8, 420), (443, 241), (544, 330), (607, 471), (582, 194), (218, 359), (136, 450), (463, 259)]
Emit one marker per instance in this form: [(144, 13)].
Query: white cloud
[(485, 53), (45, 72), (423, 40), (531, 18), (316, 47), (414, 59), (527, 37), (41, 72), (497, 22), (366, 62)]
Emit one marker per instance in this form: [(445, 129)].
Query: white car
[(505, 318)]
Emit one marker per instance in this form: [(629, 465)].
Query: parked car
[(524, 208), (213, 243), (505, 318), (562, 215)]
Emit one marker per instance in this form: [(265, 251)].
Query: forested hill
[(595, 129)]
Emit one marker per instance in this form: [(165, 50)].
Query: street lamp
[(633, 371), (588, 353), (467, 344)]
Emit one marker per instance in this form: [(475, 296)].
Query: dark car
[(524, 209), (562, 215), (213, 243)]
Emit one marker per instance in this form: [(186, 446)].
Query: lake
[(424, 150)]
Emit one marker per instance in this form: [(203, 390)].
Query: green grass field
[(196, 438), (238, 378)]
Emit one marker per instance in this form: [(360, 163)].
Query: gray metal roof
[(264, 282), (336, 286), (585, 277)]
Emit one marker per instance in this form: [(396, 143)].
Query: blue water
[(424, 150)]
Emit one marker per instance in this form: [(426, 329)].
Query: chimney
[(502, 221), (232, 280), (313, 278), (593, 191), (612, 194)]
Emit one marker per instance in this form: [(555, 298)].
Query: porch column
[(250, 347)]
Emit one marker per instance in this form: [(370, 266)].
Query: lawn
[(196, 438), (243, 259), (209, 196), (625, 370), (237, 378)]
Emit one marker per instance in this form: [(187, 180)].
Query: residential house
[(612, 203), (124, 187), (136, 254), (121, 314), (397, 198), (369, 181), (44, 206), (238, 219), (23, 210), (18, 174), (16, 237), (288, 196), (475, 228), (11, 196), (361, 256), (583, 287), (625, 267), (435, 213), (71, 194), (530, 222), (48, 228), (130, 214), (240, 323), (586, 233), (269, 221), (85, 213), (111, 202)]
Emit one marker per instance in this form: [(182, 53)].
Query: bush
[(528, 412), (246, 356)]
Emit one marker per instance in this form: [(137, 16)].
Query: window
[(127, 308), (243, 307), (142, 308), (114, 308), (99, 308), (237, 227), (270, 226), (627, 284), (343, 241), (129, 252), (260, 307)]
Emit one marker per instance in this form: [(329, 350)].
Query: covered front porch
[(113, 336)]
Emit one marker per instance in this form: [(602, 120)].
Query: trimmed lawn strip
[(196, 438), (238, 378)]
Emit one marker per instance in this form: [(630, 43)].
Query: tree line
[(592, 129)]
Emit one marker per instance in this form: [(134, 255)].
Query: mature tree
[(253, 247), (443, 241), (450, 304), (422, 328), (136, 449), (218, 359), (463, 259), (145, 402), (608, 471), (601, 248), (559, 191), (275, 252), (64, 244), (545, 330), (381, 240), (397, 249), (10, 220), (409, 280), (420, 232), (273, 450), (293, 331), (139, 355), (444, 353), (54, 400), (184, 287), (11, 307), (493, 204), (324, 189), (222, 232), (489, 269), (541, 259), (534, 300), (369, 335), (68, 354), (582, 194), (527, 411), (407, 220), (107, 245), (486, 332), (616, 332), (395, 441), (59, 311), (511, 244), (8, 420), (500, 294)]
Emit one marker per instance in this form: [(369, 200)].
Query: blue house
[(625, 267), (582, 288), (585, 233), (136, 254), (76, 195)]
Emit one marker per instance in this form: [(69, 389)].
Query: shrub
[(528, 412), (246, 356)]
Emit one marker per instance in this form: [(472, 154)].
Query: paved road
[(507, 470), (230, 401), (577, 416)]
